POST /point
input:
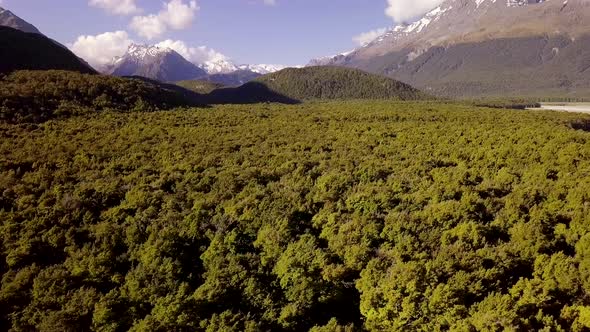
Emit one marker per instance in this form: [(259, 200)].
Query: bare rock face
[(486, 48)]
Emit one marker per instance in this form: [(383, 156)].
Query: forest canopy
[(36, 96), (348, 216)]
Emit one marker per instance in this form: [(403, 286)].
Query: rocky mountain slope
[(8, 19), (486, 47)]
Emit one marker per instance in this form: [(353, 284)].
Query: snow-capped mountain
[(484, 47), (158, 63), (218, 66), (164, 64), (262, 69), (226, 66)]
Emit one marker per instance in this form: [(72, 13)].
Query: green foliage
[(508, 103), (36, 96), (342, 216), (294, 85), (325, 82)]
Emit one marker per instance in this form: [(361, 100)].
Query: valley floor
[(344, 216)]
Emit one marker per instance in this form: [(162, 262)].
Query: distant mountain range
[(225, 66), (149, 61), (485, 48), (462, 48), (166, 65)]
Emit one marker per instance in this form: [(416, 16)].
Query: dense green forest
[(348, 216), (326, 82), (294, 85), (36, 96)]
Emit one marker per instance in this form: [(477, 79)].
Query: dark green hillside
[(322, 83), (199, 86), (249, 93), (292, 85), (322, 217), (36, 96), (30, 51)]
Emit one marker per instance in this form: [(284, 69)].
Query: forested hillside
[(36, 96), (317, 83), (349, 216), (294, 85)]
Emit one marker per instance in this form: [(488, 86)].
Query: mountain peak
[(141, 51), (7, 18), (457, 21), (165, 64)]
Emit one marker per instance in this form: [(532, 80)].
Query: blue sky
[(289, 32)]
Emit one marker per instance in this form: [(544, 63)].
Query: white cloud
[(117, 7), (150, 26), (367, 37), (198, 55), (100, 49), (270, 2), (175, 15), (406, 10)]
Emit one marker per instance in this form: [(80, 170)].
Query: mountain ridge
[(445, 41), (9, 19), (166, 65), (32, 51)]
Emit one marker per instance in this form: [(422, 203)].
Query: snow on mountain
[(262, 69), (142, 52), (214, 63), (484, 47), (226, 66), (463, 11), (154, 62), (218, 66)]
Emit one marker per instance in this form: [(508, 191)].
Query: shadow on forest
[(249, 93), (581, 124), (191, 98), (38, 96)]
